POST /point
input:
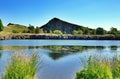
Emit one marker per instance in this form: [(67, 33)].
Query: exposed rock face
[(57, 24)]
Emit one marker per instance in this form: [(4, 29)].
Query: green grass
[(9, 30), (22, 66), (16, 27), (100, 68)]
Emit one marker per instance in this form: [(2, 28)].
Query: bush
[(57, 32), (24, 31), (76, 32), (22, 66), (15, 31)]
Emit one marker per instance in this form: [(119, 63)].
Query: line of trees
[(32, 29), (82, 31), (97, 31)]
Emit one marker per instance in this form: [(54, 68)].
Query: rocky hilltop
[(63, 26)]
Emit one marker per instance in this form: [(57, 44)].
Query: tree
[(113, 31), (93, 32), (1, 25), (31, 29), (100, 31), (37, 30), (86, 30), (57, 32)]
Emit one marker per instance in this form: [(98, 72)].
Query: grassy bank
[(100, 68), (22, 66)]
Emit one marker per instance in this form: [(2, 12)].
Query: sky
[(89, 13)]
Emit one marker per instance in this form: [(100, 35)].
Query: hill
[(15, 28), (63, 26)]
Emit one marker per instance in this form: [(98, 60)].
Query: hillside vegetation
[(15, 27), (57, 26)]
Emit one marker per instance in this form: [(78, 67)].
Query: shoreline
[(59, 37)]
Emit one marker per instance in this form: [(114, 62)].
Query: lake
[(60, 59)]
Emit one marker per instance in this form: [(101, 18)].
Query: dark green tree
[(100, 31), (113, 31), (87, 31), (31, 29), (37, 30), (93, 32), (1, 25)]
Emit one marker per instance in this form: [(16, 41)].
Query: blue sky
[(90, 13)]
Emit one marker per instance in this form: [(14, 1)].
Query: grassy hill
[(15, 28)]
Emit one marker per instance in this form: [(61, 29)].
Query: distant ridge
[(63, 26)]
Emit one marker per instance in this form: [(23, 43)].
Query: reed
[(22, 66), (99, 67)]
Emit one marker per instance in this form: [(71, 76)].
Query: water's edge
[(64, 37)]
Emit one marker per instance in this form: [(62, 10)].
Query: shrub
[(22, 66), (57, 32), (24, 31), (76, 32), (15, 31)]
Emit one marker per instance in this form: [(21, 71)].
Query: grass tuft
[(22, 66), (100, 68)]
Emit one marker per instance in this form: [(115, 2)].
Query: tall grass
[(22, 66), (100, 68), (115, 66)]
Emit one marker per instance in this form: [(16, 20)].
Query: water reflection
[(0, 55), (113, 47), (60, 49), (71, 49), (56, 56), (13, 47), (55, 48), (59, 62)]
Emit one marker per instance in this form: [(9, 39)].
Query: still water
[(61, 59)]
